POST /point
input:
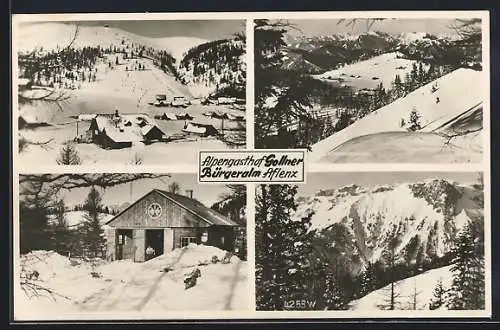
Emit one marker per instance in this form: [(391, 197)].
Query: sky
[(317, 181), (204, 29), (205, 193), (317, 27)]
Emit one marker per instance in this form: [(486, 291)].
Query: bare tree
[(174, 187), (414, 295), (24, 143), (41, 189), (353, 21), (454, 133), (391, 292)]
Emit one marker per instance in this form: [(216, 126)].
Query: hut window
[(185, 240)]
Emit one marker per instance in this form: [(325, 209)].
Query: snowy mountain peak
[(421, 218), (60, 35)]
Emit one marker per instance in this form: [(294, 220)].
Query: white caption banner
[(267, 166)]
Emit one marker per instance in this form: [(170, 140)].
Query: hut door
[(154, 240), (124, 244)]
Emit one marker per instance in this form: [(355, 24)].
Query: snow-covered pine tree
[(283, 248), (420, 74), (93, 234), (368, 279), (413, 76), (325, 288), (398, 86), (59, 234), (467, 291), (414, 121), (69, 155), (438, 296)]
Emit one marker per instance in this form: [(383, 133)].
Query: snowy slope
[(403, 147), (425, 283), (459, 92), (128, 286), (214, 66), (59, 35), (363, 73), (422, 217)]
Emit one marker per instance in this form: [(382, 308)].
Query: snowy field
[(370, 73), (128, 286), (129, 92), (459, 92), (425, 283)]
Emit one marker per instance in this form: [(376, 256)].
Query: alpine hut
[(166, 221)]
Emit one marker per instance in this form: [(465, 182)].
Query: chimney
[(189, 193)]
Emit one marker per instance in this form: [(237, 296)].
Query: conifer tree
[(93, 234), (368, 279), (326, 289), (69, 155), (398, 87), (391, 292), (283, 247), (421, 74), (60, 235), (438, 296), (414, 121), (282, 97), (467, 291)]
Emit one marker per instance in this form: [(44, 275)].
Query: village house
[(121, 131), (165, 221)]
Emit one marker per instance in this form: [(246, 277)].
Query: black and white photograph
[(372, 241), (142, 242), (129, 92), (371, 90)]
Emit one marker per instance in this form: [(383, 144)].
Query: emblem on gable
[(154, 210)]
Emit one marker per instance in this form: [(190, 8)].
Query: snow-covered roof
[(122, 136), (29, 119), (146, 129), (102, 122), (195, 129), (129, 128), (170, 116), (86, 116)]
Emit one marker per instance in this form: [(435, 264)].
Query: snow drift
[(78, 287)]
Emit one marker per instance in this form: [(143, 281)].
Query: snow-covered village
[(371, 90), (93, 243), (372, 242), (129, 92)]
